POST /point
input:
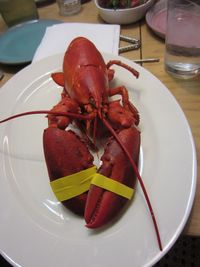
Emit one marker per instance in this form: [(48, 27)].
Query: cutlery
[(146, 60), (129, 39), (128, 47)]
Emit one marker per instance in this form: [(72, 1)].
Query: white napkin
[(57, 38)]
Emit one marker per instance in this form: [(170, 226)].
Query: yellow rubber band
[(112, 185), (73, 185)]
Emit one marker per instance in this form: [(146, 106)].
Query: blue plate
[(19, 43)]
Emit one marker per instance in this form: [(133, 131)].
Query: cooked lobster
[(86, 102)]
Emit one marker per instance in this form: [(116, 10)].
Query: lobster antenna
[(48, 112), (109, 127)]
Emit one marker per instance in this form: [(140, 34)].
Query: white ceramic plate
[(37, 231)]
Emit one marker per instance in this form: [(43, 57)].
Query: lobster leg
[(118, 116), (102, 205), (65, 154), (123, 65), (121, 90)]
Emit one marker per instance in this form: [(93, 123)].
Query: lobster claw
[(66, 154), (103, 205)]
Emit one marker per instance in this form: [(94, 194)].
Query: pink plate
[(156, 18)]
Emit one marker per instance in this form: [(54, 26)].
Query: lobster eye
[(92, 102)]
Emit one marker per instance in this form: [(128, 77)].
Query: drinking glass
[(69, 7), (182, 42)]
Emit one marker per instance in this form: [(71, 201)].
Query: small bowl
[(125, 15)]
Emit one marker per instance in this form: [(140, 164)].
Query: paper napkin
[(57, 38)]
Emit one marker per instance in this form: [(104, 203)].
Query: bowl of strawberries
[(122, 11)]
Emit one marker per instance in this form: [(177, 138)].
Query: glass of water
[(182, 42)]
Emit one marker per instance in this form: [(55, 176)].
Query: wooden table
[(187, 93)]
